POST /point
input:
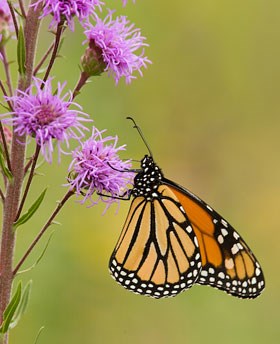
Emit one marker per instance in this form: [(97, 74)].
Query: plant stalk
[(17, 168), (82, 81)]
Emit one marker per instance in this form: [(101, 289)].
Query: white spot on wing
[(224, 222), (224, 231), (229, 263), (234, 249), (258, 271), (236, 235)]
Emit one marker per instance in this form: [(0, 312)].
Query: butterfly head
[(148, 180)]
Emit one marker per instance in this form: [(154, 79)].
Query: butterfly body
[(172, 240), (147, 181)]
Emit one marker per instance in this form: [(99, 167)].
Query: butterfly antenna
[(141, 134)]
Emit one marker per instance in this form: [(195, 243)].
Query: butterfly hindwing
[(157, 253), (227, 261)]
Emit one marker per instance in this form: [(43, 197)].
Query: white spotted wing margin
[(240, 273), (227, 262), (157, 254)]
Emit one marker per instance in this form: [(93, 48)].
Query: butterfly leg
[(125, 196)]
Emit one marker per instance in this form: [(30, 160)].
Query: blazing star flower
[(68, 9), (116, 41), (46, 117), (97, 168)]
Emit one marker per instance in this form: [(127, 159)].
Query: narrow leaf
[(5, 107), (22, 305), (56, 223), (4, 168), (21, 53), (39, 258), (31, 211), (11, 62), (10, 310), (18, 12), (38, 335), (41, 71)]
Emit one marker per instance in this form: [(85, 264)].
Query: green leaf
[(38, 335), (39, 258), (56, 223), (22, 305), (4, 168), (18, 12), (10, 310), (41, 71), (31, 211), (21, 53)]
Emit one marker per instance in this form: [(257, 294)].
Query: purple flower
[(97, 168), (117, 40), (68, 9), (46, 117)]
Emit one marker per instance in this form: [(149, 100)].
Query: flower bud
[(92, 61)]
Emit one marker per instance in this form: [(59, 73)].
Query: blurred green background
[(209, 108)]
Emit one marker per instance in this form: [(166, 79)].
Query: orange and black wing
[(227, 261), (157, 253)]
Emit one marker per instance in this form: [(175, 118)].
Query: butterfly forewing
[(157, 253), (227, 261)]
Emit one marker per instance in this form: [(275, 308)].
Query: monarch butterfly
[(172, 240)]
